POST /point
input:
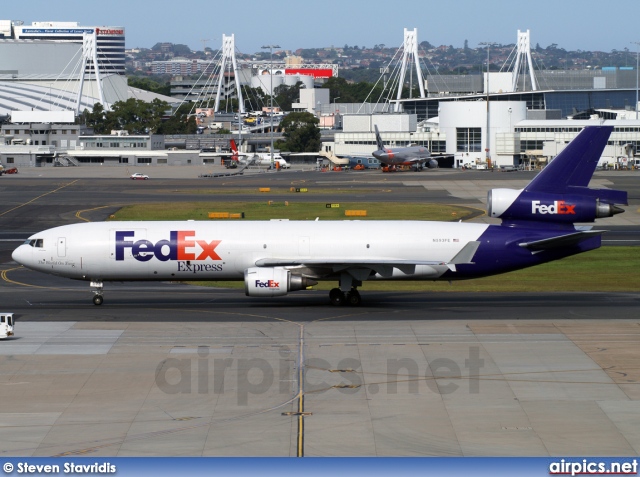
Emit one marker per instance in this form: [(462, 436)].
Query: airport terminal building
[(474, 120), (40, 65), (110, 42), (526, 128)]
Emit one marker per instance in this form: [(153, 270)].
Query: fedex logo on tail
[(267, 284), (559, 207), (181, 245)]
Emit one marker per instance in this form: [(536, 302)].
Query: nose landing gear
[(97, 293)]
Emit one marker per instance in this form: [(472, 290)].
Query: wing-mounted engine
[(579, 204), (273, 281)]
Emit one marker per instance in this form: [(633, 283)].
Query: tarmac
[(165, 369), (470, 187)]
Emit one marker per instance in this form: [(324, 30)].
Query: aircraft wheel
[(337, 297), (97, 299), (353, 298)]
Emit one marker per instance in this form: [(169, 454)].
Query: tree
[(228, 105), (352, 92), (301, 133), (285, 95), (149, 85), (254, 98), (94, 118), (138, 117), (178, 124), (309, 53), (132, 115)]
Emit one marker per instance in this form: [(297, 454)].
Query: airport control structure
[(519, 117)]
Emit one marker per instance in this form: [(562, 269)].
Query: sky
[(571, 24)]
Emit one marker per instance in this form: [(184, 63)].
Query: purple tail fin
[(575, 165)]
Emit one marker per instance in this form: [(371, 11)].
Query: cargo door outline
[(62, 246)]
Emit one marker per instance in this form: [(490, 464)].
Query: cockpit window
[(37, 243)]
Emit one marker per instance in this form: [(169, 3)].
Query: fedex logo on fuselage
[(559, 207), (181, 245), (267, 284)]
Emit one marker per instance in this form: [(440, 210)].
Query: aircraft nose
[(22, 254)]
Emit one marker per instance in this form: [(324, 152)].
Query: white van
[(6, 325)]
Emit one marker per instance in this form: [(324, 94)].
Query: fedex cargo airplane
[(416, 156), (277, 257)]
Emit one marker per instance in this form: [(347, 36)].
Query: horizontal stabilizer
[(561, 241), (464, 256), (609, 196)]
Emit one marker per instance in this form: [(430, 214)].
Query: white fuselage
[(198, 250), (264, 159)]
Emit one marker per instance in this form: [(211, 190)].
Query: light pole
[(637, 43), (270, 48), (488, 44)]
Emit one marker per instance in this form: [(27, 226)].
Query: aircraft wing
[(561, 241), (227, 154), (418, 160), (382, 266)]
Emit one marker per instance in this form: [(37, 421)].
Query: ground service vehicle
[(6, 325)]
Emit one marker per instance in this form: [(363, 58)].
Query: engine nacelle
[(432, 164), (274, 281), (509, 204)]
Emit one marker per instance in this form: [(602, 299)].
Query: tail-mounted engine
[(579, 205), (275, 281)]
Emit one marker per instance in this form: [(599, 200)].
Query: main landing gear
[(97, 293), (352, 297)]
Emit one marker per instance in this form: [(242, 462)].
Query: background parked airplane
[(233, 158), (416, 156)]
